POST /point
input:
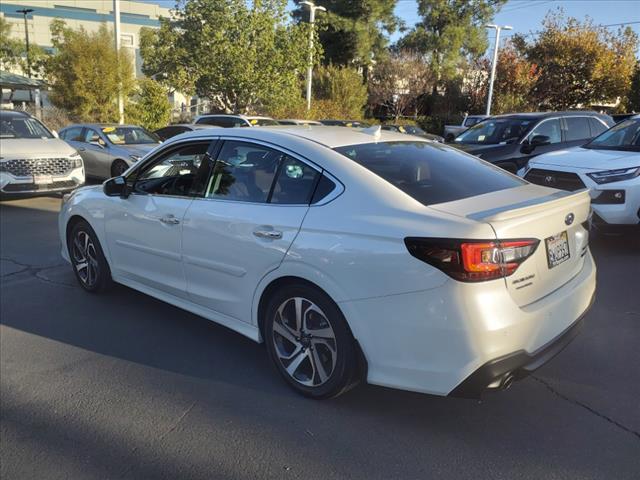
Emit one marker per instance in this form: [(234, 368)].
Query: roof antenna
[(374, 131)]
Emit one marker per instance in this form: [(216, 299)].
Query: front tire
[(87, 258), (309, 342)]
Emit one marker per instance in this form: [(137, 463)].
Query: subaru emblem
[(569, 219)]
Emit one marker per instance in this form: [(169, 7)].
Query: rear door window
[(597, 127), (577, 129), (73, 134), (430, 173)]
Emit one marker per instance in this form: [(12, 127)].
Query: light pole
[(495, 62), (312, 21), (25, 12), (116, 28)]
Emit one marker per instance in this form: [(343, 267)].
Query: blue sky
[(525, 16)]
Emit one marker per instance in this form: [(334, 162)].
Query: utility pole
[(495, 61), (116, 25), (25, 12), (312, 21)]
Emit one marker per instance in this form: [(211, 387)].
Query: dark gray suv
[(509, 141)]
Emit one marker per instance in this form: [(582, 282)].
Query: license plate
[(557, 249), (42, 179)]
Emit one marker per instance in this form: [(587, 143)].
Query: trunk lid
[(533, 212)]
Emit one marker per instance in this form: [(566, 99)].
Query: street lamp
[(495, 61), (25, 12), (312, 21)]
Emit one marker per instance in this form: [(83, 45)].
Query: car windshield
[(22, 127), (494, 131), (262, 122), (622, 136), (129, 135), (428, 172)]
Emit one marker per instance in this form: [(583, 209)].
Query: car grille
[(27, 167), (32, 187), (550, 178)]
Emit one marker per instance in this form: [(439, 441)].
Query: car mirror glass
[(115, 187)]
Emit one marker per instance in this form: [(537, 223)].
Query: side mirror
[(539, 140), (97, 143), (116, 187)]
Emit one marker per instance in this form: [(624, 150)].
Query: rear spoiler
[(534, 205)]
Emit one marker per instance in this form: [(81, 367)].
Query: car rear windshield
[(22, 127), (493, 131), (428, 172)]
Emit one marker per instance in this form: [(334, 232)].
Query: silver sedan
[(108, 150)]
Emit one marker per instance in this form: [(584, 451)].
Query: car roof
[(247, 117), (328, 136), (14, 113), (537, 115), (100, 125), (194, 126)]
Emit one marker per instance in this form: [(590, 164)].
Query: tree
[(581, 63), (151, 107), (10, 49), (243, 59), (353, 32), (398, 82), (338, 92), (632, 103), (85, 73), (450, 33), (513, 85)]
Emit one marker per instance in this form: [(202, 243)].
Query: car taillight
[(472, 260)]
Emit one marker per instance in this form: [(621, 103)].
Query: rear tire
[(118, 167), (87, 258), (309, 342)]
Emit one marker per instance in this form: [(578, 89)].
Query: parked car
[(413, 130), (452, 131), (510, 141), (345, 123), (109, 149), (351, 253), (33, 160), (294, 121), (169, 131), (609, 165), (230, 121)]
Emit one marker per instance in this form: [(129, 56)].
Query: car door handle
[(81, 149), (269, 234), (169, 220)]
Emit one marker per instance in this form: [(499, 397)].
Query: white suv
[(231, 121), (33, 160)]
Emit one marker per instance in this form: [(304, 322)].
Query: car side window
[(91, 135), (174, 172), (73, 134), (243, 172), (597, 127), (548, 128), (295, 183), (577, 128)]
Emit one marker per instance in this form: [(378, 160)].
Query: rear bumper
[(498, 373)]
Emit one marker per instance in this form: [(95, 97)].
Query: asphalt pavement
[(123, 386)]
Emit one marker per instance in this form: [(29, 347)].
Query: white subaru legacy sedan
[(609, 165), (352, 254)]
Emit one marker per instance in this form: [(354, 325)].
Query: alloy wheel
[(85, 260), (304, 341)]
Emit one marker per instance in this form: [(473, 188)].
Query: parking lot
[(124, 386)]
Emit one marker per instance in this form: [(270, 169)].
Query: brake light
[(473, 260)]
